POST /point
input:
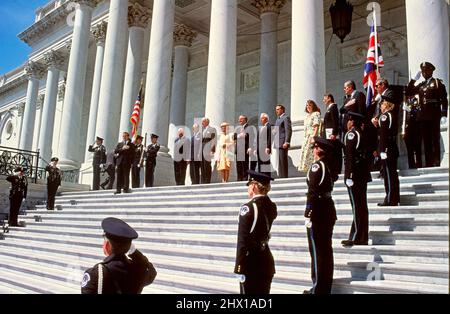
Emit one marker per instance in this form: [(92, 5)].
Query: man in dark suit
[(242, 146), (354, 101), (99, 151), (264, 146), (125, 155), (283, 129), (331, 132), (433, 104), (195, 162), (209, 138), (180, 157)]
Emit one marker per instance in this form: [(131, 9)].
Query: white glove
[(418, 76), (406, 108), (349, 183), (383, 156), (308, 223), (241, 278), (131, 250)]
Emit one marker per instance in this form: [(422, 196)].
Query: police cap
[(19, 169), (118, 230), (139, 137), (154, 136), (355, 116), (323, 144), (428, 65), (258, 177), (100, 139), (55, 159)]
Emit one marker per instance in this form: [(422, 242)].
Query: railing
[(11, 158)]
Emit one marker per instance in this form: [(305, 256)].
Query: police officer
[(99, 151), (53, 182), (255, 265), (125, 154), (433, 104), (17, 193), (388, 151), (125, 269), (137, 159), (320, 217), (151, 153), (357, 175), (412, 138)]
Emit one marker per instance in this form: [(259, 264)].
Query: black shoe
[(347, 243), (127, 191), (117, 192), (50, 209), (383, 204), (102, 186), (360, 243), (307, 291)]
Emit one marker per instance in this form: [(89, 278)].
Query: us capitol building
[(213, 58)]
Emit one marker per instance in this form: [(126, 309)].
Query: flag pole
[(375, 26)]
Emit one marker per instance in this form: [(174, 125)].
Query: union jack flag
[(136, 116), (373, 64)]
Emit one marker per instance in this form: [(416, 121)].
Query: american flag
[(136, 116), (372, 67)]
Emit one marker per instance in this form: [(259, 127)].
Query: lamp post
[(341, 18)]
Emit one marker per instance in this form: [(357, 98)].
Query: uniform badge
[(244, 210), (315, 168), (384, 118), (432, 85), (86, 279), (351, 136)]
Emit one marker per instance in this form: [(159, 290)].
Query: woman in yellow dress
[(312, 129), (226, 154)]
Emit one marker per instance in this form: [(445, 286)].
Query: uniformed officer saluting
[(357, 175), (320, 217), (433, 104), (17, 193), (99, 151), (255, 265), (53, 182), (388, 151), (125, 270)]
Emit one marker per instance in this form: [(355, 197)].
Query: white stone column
[(99, 33), (308, 55), (221, 88), (113, 73), (38, 120), (268, 88), (76, 75), (156, 113), (53, 61), (138, 17), (183, 37), (428, 33), (34, 72)]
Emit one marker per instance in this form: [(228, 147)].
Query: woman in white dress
[(312, 129)]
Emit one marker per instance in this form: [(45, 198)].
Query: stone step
[(399, 253)]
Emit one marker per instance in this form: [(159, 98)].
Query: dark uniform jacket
[(151, 153), (99, 154), (19, 186), (356, 167), (138, 149), (54, 175), (331, 120), (253, 256), (119, 274), (319, 204), (124, 156), (284, 130), (388, 135), (433, 100)]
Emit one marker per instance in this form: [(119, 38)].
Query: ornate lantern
[(341, 18)]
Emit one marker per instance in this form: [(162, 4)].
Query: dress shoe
[(360, 243), (102, 186), (347, 243), (307, 291), (127, 191), (117, 192), (383, 204)]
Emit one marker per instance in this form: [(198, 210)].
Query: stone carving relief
[(250, 79)]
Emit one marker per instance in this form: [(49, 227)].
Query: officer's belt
[(322, 196)]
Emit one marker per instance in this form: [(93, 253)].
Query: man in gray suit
[(283, 129)]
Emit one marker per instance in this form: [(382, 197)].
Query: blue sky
[(16, 16)]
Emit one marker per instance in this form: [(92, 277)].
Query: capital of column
[(89, 3), (183, 35), (265, 6), (20, 109), (99, 32), (34, 70), (138, 15), (40, 101), (53, 59)]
